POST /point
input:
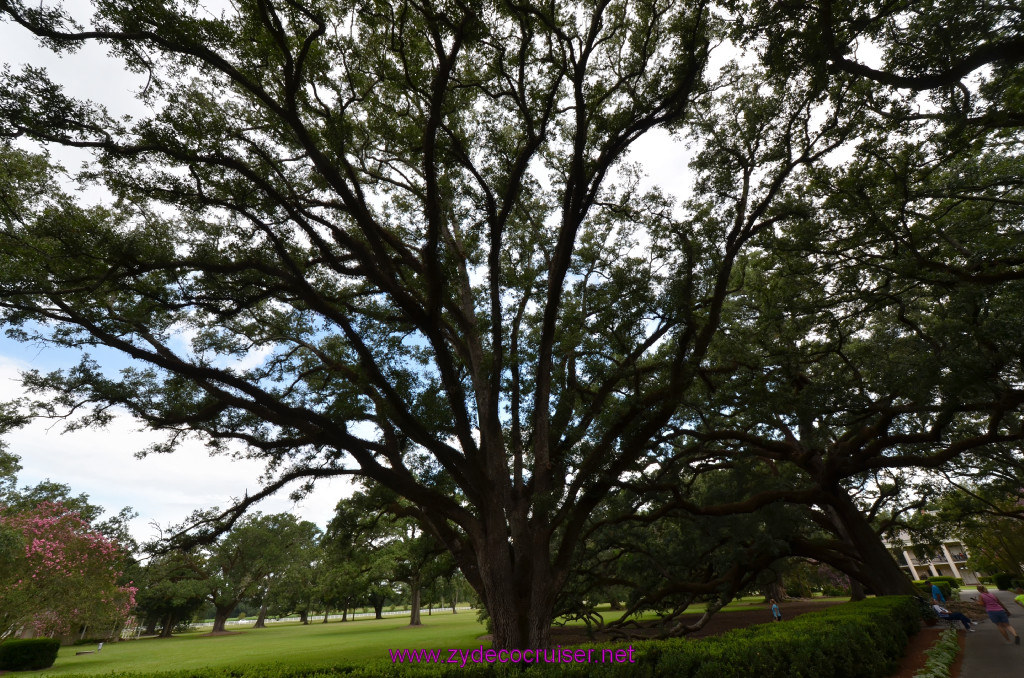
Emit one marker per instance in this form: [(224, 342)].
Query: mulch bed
[(915, 658)]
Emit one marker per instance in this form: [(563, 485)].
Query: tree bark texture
[(168, 627), (261, 619), (775, 590), (878, 570), (414, 606), (220, 618)]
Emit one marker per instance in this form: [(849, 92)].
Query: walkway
[(986, 654)]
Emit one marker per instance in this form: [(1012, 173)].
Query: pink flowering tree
[(62, 574)]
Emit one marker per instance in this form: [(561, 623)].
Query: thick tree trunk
[(304, 616), (168, 627), (344, 614), (878, 569), (414, 605), (327, 613), (520, 614), (378, 609), (856, 591), (261, 619), (220, 618), (775, 590)]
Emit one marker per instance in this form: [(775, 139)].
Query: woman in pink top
[(997, 613)]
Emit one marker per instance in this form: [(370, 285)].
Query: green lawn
[(290, 644)]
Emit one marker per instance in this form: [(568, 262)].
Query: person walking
[(776, 613), (998, 614)]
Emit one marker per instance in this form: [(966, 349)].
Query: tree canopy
[(423, 220)]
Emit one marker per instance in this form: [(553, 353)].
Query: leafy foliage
[(259, 546), (65, 574), (172, 588)]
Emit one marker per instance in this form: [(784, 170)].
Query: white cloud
[(161, 488), (665, 159)]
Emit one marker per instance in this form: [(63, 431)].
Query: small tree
[(172, 590), (294, 585), (240, 562), (66, 574)]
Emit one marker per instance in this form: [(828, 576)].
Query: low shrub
[(28, 655), (1003, 580), (834, 591)]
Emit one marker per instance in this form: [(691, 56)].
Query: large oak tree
[(407, 206), (420, 218)]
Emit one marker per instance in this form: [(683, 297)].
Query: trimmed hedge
[(865, 639), (1004, 581), (30, 654), (954, 582)]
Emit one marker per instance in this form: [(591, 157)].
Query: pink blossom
[(73, 571)]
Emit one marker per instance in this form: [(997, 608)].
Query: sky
[(162, 489)]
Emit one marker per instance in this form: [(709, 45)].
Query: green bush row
[(29, 654), (853, 640)]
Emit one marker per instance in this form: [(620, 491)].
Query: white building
[(949, 560)]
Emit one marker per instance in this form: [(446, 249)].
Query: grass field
[(291, 644)]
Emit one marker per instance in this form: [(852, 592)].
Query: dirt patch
[(973, 611)]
